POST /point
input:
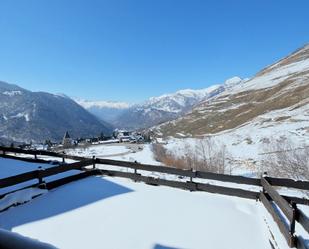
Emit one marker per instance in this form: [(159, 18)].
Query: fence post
[(40, 178), (263, 175), (35, 156), (63, 160), (292, 241), (135, 173), (192, 185), (292, 225), (93, 162)]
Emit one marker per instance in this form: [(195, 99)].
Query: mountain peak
[(37, 116), (233, 81)]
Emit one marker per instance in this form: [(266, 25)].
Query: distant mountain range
[(35, 116), (108, 111), (155, 110)]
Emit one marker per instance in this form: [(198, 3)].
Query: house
[(122, 135)]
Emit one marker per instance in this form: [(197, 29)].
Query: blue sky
[(129, 50)]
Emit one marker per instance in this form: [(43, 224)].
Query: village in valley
[(118, 136)]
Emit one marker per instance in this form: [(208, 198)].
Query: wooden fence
[(282, 208), (286, 217), (40, 174)]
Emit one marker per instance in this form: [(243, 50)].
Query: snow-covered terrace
[(105, 212), (112, 212)]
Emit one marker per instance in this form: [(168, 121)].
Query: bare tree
[(211, 155), (204, 155), (284, 159)]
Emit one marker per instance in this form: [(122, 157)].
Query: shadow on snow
[(61, 200)]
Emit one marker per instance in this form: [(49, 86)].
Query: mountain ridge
[(37, 116), (282, 85), (158, 109)]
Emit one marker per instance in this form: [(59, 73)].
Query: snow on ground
[(144, 156), (98, 150), (105, 212), (20, 196), (247, 144), (273, 77), (118, 213), (140, 153), (15, 240)]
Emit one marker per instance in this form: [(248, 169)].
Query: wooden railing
[(37, 153), (288, 214), (268, 195), (282, 208), (40, 174)]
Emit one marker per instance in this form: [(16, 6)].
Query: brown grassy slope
[(298, 55), (230, 111)]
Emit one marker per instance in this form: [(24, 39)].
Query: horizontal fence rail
[(228, 178), (169, 170), (30, 152), (284, 182), (36, 153), (145, 167), (13, 180), (181, 172), (26, 159)]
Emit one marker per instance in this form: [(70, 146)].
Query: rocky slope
[(35, 116)]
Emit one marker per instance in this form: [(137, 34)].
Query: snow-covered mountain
[(35, 116), (181, 100), (104, 110), (155, 110), (278, 96), (163, 108)]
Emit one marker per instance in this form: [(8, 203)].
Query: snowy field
[(105, 212), (245, 146), (140, 153), (99, 150), (144, 156)]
